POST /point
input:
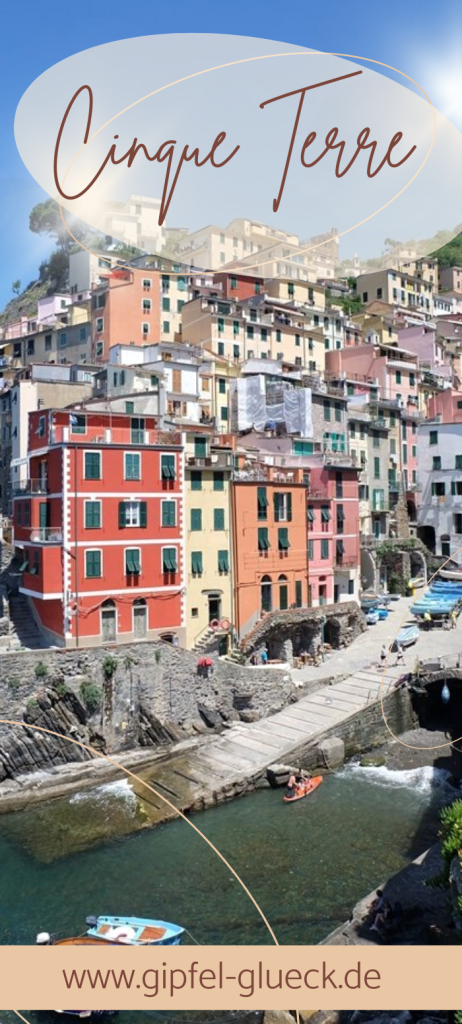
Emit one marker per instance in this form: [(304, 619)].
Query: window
[(132, 466), (437, 462), (340, 518), (92, 515), (290, 290), (167, 467), (250, 331), (324, 549), (196, 519), (196, 480), (446, 546), (456, 487), (221, 386), (327, 410), (133, 513), (48, 341), (165, 282), (200, 447), (92, 466), (146, 284), (438, 489), (220, 325), (278, 336), (169, 513), (146, 329), (223, 561), (282, 507), (169, 560), (376, 440), (376, 469), (93, 565), (218, 481), (146, 305), (197, 566), (433, 437), (298, 593), (325, 514), (224, 414), (262, 503), (351, 586), (41, 427), (458, 462), (263, 539), (236, 351), (398, 376), (165, 327), (283, 539), (338, 412), (63, 340), (412, 380), (457, 522), (99, 324), (78, 424), (132, 561), (218, 519)]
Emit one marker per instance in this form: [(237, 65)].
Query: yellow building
[(215, 376), (209, 598), (396, 288)]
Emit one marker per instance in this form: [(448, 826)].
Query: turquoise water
[(306, 864)]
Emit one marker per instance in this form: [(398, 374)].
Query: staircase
[(204, 640), (24, 631)]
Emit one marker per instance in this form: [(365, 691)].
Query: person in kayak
[(299, 783)]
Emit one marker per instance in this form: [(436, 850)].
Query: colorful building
[(100, 523), (269, 543)]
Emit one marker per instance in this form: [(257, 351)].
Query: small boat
[(311, 785), (406, 636), (127, 931), (451, 574), (382, 613), (372, 618)]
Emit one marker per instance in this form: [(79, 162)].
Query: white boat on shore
[(451, 574)]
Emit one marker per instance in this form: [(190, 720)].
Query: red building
[(238, 286), (100, 523)]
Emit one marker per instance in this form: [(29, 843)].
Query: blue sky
[(423, 40)]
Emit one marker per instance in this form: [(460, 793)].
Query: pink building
[(333, 516), (447, 405), (393, 369)]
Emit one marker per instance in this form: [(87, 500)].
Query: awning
[(196, 562), (170, 563), (263, 542), (283, 538), (325, 515), (223, 561), (311, 515), (133, 561)]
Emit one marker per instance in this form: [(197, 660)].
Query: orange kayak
[(314, 783)]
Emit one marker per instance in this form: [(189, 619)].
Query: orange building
[(270, 544)]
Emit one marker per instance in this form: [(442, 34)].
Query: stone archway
[(368, 570)]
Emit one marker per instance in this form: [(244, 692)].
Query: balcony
[(31, 487), (46, 535), (345, 562), (216, 460)]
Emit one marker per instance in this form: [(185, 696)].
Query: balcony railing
[(46, 535), (31, 487), (345, 562)]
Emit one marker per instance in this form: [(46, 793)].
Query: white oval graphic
[(237, 132)]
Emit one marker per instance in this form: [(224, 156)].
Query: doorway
[(108, 621), (140, 618), (214, 607), (283, 593)]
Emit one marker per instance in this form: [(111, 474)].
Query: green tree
[(16, 287)]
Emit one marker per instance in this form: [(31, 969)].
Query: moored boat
[(451, 574), (406, 636), (127, 931)]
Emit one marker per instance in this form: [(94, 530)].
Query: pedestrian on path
[(454, 618), (400, 656), (383, 656)]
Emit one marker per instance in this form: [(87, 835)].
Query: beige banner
[(230, 977)]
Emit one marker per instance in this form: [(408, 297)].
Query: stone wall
[(153, 696)]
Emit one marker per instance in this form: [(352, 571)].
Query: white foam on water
[(120, 790), (420, 780)]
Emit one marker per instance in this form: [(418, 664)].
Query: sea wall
[(116, 699)]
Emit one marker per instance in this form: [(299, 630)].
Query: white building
[(439, 471)]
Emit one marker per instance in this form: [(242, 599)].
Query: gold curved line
[(245, 60), (105, 757), (438, 746)]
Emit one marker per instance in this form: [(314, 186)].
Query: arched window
[(266, 588), (140, 618), (108, 620), (283, 592)]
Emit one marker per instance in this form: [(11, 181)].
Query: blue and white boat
[(115, 931), (407, 635), (372, 617)]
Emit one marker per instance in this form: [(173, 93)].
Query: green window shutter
[(218, 481), (132, 561), (220, 325), (377, 468), (324, 549), (129, 407), (196, 519), (93, 564), (262, 503), (200, 447), (222, 386), (236, 326), (311, 514), (166, 304), (263, 541), (168, 513), (169, 562), (289, 507), (236, 351), (44, 514), (144, 514), (224, 414), (276, 505), (223, 561), (168, 467), (92, 515), (121, 515), (132, 466), (283, 538), (221, 348), (327, 410), (458, 462), (325, 514), (218, 519), (24, 566), (196, 480), (311, 550), (196, 563), (92, 465), (298, 593)]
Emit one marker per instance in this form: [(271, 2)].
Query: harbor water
[(306, 864)]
